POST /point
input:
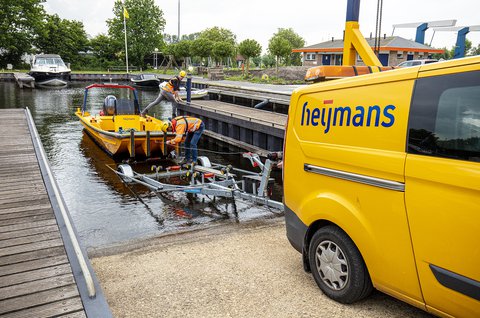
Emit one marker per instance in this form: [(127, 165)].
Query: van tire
[(337, 249)]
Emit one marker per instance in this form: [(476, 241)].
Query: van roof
[(450, 63), (387, 76), (361, 80)]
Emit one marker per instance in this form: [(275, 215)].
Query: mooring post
[(189, 89), (132, 143), (164, 150), (148, 144)]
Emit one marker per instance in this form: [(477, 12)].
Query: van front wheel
[(337, 266)]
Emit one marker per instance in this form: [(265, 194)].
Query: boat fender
[(101, 113), (127, 172), (204, 162)]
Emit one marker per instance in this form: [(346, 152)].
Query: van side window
[(445, 117)]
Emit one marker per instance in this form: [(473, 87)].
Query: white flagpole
[(125, 31), (178, 36)]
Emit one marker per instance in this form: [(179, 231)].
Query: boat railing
[(71, 233)]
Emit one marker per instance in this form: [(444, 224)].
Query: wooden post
[(148, 144), (164, 150), (132, 144)]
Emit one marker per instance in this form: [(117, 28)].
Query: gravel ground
[(240, 270)]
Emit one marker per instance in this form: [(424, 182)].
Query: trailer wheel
[(338, 267)]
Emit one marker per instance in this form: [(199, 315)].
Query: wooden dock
[(266, 118), (24, 80), (39, 275), (252, 129)]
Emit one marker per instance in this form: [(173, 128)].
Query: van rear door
[(443, 189)]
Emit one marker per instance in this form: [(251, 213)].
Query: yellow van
[(382, 185)]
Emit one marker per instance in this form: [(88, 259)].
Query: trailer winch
[(210, 179)]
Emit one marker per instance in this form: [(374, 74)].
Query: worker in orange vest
[(168, 92), (191, 128)]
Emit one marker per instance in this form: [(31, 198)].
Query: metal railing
[(122, 68), (71, 233)]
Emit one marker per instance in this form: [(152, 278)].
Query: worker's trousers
[(163, 95), (191, 143)]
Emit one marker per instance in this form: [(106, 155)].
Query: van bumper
[(296, 229)]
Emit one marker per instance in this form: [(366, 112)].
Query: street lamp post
[(155, 58)]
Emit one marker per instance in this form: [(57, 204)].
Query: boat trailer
[(211, 179)]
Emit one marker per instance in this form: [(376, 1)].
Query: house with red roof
[(393, 50)]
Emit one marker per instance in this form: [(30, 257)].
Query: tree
[(170, 49), (19, 23), (268, 60), (106, 51), (257, 61), (296, 41), (222, 50), (202, 48), (64, 37), (249, 48), (446, 55), (217, 34), (144, 27), (468, 47), (170, 38), (105, 48), (449, 54), (183, 50), (280, 48), (475, 50), (191, 37)]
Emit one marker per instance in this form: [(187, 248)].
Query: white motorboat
[(50, 70)]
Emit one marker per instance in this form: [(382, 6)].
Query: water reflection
[(104, 210), (99, 162)]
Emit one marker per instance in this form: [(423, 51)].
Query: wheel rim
[(332, 265)]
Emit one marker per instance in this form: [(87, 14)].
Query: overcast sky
[(315, 20)]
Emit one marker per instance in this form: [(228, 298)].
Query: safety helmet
[(182, 74), (165, 126)]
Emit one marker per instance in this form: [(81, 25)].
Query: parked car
[(416, 62)]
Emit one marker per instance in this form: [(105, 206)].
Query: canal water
[(104, 210)]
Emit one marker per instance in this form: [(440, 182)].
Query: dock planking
[(251, 129), (36, 278), (267, 118)]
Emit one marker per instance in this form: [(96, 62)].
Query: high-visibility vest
[(191, 123), (169, 86), (183, 124)]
